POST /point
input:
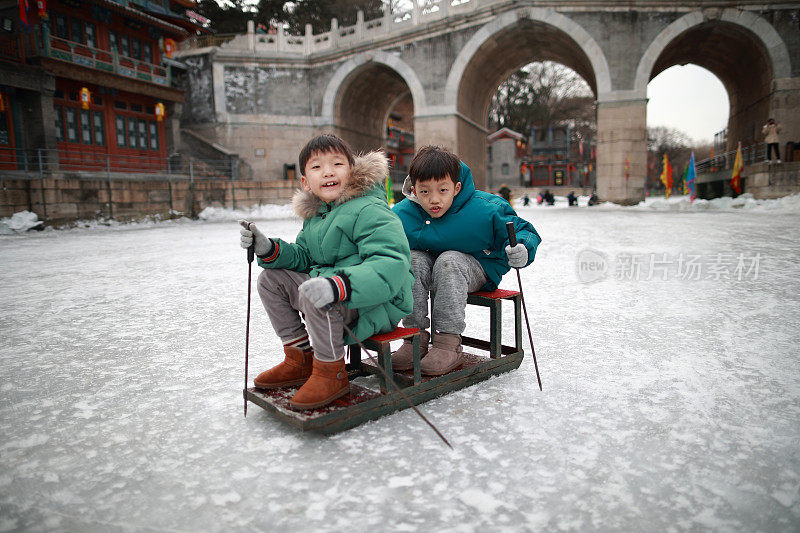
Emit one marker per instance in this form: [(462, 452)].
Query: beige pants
[(279, 293)]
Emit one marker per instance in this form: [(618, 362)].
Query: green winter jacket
[(359, 237)]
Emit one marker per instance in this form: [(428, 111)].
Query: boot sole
[(279, 385), (326, 401)]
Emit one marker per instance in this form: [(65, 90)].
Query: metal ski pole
[(512, 238), (251, 252), (388, 379)]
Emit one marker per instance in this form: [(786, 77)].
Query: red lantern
[(41, 8), (85, 98), (160, 113), (169, 47)]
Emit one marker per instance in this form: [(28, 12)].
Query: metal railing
[(40, 42), (724, 161), (91, 164), (41, 164)]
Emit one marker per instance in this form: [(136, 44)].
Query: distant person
[(261, 28), (526, 200), (539, 199), (505, 192), (549, 198), (593, 199), (771, 130), (572, 199)]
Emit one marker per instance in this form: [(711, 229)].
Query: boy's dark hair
[(433, 163), (327, 142)]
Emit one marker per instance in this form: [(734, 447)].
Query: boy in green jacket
[(350, 264)]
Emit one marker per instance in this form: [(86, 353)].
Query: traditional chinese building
[(82, 80)]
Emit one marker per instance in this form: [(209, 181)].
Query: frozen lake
[(666, 338)]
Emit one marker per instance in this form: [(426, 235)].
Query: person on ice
[(349, 265), (459, 244)]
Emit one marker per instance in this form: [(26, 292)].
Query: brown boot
[(444, 356), (293, 371), (328, 381), (403, 358)]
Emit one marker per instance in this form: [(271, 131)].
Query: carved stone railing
[(337, 37)]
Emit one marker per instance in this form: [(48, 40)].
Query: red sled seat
[(380, 343), (494, 301)]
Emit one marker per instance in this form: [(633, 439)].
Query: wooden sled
[(365, 403)]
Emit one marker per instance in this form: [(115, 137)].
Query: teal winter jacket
[(359, 237), (475, 224)]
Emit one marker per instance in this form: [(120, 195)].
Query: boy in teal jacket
[(349, 265), (459, 244)]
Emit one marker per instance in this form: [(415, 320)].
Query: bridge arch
[(501, 46), (706, 39), (598, 75), (362, 92)]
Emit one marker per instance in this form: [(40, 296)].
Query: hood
[(467, 188), (368, 170)]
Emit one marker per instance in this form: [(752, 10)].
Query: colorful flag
[(691, 176), (683, 179), (23, 12), (738, 167), (666, 175)]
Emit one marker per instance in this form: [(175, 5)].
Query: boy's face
[(436, 196), (326, 175)]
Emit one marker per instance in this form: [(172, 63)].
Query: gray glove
[(517, 256), (318, 291), (251, 234)]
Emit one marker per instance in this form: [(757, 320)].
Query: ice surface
[(671, 402)]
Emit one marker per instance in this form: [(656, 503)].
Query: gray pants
[(447, 278), (279, 293)]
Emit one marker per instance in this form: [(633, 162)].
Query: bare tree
[(543, 94)]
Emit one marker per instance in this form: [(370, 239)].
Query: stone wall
[(773, 181), (65, 200)]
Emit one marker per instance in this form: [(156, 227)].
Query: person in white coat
[(771, 130)]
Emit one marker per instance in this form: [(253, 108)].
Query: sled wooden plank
[(363, 404)]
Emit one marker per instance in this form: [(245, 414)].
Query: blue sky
[(688, 98)]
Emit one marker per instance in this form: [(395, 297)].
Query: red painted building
[(89, 84)]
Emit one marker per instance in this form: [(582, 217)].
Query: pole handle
[(251, 253), (512, 234)]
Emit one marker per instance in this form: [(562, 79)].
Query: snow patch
[(786, 494), (8, 524), (483, 502), (744, 201), (401, 481), (256, 212), (37, 439), (20, 222), (224, 499)]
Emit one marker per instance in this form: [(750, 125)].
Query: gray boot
[(403, 358), (444, 356)]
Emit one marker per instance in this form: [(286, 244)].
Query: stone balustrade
[(349, 36)]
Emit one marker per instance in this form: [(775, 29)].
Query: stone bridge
[(440, 63)]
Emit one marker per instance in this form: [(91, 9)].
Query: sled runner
[(364, 403)]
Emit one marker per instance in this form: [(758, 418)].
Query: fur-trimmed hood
[(369, 170)]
